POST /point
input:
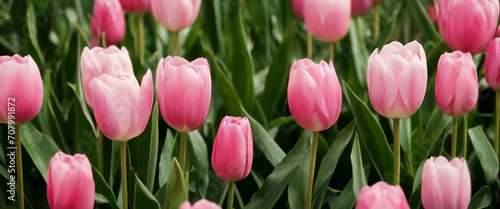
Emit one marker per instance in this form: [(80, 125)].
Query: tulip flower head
[(200, 204), (175, 15), (137, 6), (70, 183), (298, 8), (456, 83), (492, 64), (108, 19), (328, 20), (397, 79), (360, 7), (445, 184), (21, 89), (382, 196)]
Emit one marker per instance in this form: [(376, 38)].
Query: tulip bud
[(492, 64), (184, 91), (70, 183), (175, 15), (201, 204), (328, 20), (138, 6), (382, 196), (397, 79), (431, 11), (314, 94), (233, 149), (456, 83), (298, 9), (108, 18), (360, 7), (445, 184), (21, 89), (467, 25)]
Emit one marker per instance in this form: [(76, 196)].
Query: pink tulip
[(382, 196), (497, 32), (108, 18), (175, 15), (184, 91), (445, 184), (70, 183), (98, 61), (314, 94), (328, 20), (360, 7), (492, 64), (138, 6), (233, 149), (298, 9), (201, 204), (467, 25), (456, 83), (431, 11), (21, 89), (397, 79)]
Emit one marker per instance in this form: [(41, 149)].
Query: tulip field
[(249, 104)]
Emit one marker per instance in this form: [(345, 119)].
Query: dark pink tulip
[(175, 15), (382, 196), (492, 64), (108, 18), (233, 149), (456, 83), (360, 7), (328, 20), (431, 11), (298, 8), (70, 183), (21, 86), (200, 204), (137, 6)]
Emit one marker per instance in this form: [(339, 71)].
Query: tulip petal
[(412, 82), (229, 155), (382, 86), (302, 92)]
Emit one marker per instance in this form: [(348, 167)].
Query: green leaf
[(31, 21), (102, 187), (485, 153), (481, 199), (143, 197), (347, 199), (198, 150), (176, 188), (372, 136), (329, 163), (359, 51), (265, 142), (298, 185), (153, 149), (359, 179), (418, 177), (166, 158), (282, 174), (419, 13)]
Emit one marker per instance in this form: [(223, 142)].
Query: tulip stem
[(123, 157), (309, 45), (176, 45), (465, 136), (397, 150), (19, 166), (330, 52), (376, 20), (183, 150), (454, 138), (497, 125), (230, 194), (140, 36), (311, 169)]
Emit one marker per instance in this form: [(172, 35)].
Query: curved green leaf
[(143, 197), (481, 199), (358, 172), (485, 153), (102, 187)]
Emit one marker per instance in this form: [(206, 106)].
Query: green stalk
[(230, 194), (497, 125), (19, 166), (100, 161), (397, 151), (183, 150), (311, 170), (123, 157), (140, 32), (376, 20), (454, 138), (176, 45), (465, 136), (309, 45), (330, 51)]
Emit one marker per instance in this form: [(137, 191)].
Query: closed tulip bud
[(467, 25), (121, 106), (456, 83), (445, 184), (360, 7), (314, 94), (70, 183), (397, 79), (21, 89), (137, 6), (200, 204), (382, 196), (233, 149), (175, 15), (298, 9), (108, 19), (98, 61), (184, 89), (328, 20), (492, 64)]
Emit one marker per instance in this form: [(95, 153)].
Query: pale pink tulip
[(314, 94), (456, 83), (233, 149), (108, 18), (21, 89), (328, 20), (298, 8), (184, 90), (360, 7), (467, 25), (382, 196), (492, 64), (445, 184), (200, 204), (175, 15), (397, 79), (70, 183), (137, 6)]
